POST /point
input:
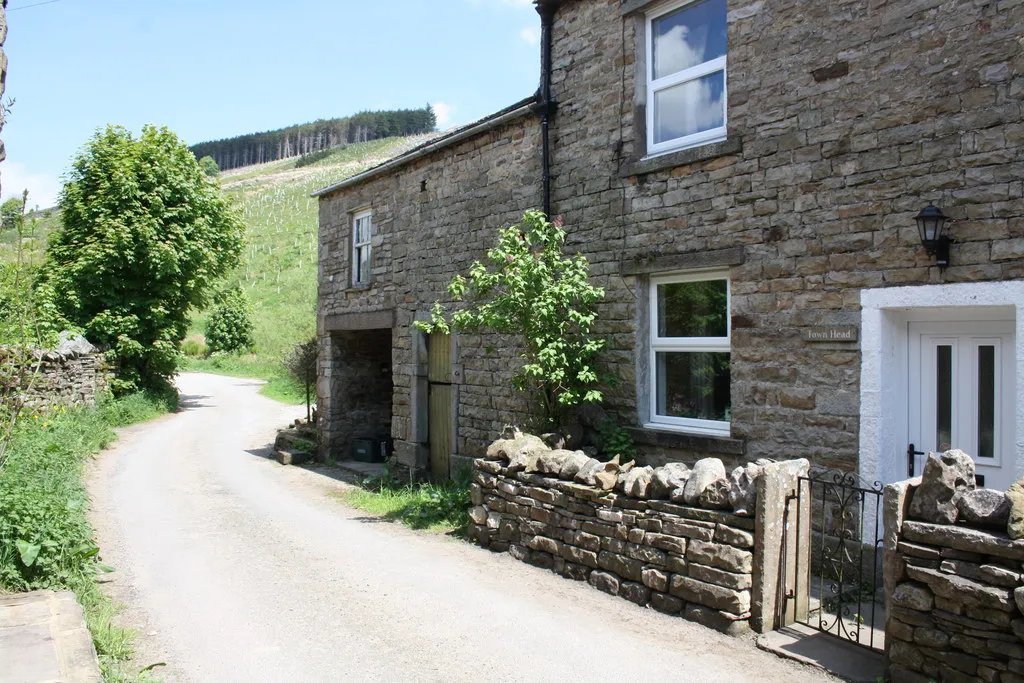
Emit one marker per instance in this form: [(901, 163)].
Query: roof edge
[(510, 113)]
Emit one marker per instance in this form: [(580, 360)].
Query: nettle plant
[(529, 290)]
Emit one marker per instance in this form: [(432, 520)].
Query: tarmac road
[(234, 568)]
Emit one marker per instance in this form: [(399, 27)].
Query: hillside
[(278, 269), (317, 136)]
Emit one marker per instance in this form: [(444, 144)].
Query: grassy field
[(278, 269)]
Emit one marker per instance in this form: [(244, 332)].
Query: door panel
[(440, 422), (962, 394), (440, 431)]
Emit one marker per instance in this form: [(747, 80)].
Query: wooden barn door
[(439, 419)]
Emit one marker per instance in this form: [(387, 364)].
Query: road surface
[(233, 568)]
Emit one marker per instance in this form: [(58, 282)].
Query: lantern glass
[(930, 223)]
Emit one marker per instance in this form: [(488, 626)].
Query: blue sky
[(210, 69)]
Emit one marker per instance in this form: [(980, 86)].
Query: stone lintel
[(370, 320), (688, 442)]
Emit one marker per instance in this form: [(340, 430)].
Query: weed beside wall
[(45, 538)]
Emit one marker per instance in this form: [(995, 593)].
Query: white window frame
[(358, 246), (654, 86), (660, 344)]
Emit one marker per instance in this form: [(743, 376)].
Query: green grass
[(279, 265), (45, 538), (438, 508)]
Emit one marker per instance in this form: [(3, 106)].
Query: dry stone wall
[(954, 585), (70, 379), (623, 537)]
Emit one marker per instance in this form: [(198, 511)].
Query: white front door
[(961, 382)]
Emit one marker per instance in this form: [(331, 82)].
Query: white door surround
[(884, 385)]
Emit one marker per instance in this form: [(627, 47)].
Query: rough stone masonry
[(613, 526), (48, 379), (953, 579)]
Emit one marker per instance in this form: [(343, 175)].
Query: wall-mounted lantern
[(931, 224)]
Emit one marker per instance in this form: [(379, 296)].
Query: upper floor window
[(686, 67), (361, 229), (690, 347)]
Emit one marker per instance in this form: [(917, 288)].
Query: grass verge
[(45, 538), (438, 508), (279, 385)]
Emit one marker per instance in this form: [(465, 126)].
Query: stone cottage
[(762, 166)]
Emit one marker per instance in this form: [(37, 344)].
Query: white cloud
[(42, 188), (443, 112), (531, 34)]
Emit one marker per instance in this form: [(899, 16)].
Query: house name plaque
[(846, 333)]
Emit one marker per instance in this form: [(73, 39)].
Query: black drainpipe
[(545, 104)]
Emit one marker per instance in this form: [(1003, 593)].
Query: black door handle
[(910, 460)]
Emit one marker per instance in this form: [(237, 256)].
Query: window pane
[(694, 385), (362, 230), (693, 309), (691, 107), (986, 401), (943, 397), (364, 264), (689, 36)]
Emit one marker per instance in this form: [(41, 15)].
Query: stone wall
[(71, 379), (954, 589), (714, 565)]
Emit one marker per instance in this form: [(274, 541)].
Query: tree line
[(322, 134)]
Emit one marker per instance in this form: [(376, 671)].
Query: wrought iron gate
[(835, 541)]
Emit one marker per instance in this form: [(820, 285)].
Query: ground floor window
[(690, 352)]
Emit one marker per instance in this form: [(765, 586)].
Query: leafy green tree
[(229, 327), (144, 236), (11, 213), (209, 166), (530, 290)]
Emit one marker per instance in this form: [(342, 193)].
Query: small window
[(690, 353), (686, 69), (362, 223)]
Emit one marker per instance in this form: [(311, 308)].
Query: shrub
[(229, 327), (301, 366), (195, 347), (209, 166), (530, 290)]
